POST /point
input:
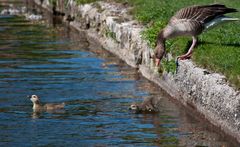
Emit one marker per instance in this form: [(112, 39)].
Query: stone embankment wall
[(109, 23)]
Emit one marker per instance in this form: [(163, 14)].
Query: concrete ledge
[(207, 92)]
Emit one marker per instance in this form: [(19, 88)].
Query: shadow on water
[(59, 65)]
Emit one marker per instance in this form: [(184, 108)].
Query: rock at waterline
[(33, 17), (21, 11)]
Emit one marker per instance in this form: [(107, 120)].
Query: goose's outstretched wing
[(204, 13)]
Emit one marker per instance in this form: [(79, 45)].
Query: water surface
[(59, 65)]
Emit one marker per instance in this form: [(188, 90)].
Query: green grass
[(219, 49)]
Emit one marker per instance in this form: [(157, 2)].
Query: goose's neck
[(37, 105), (160, 47), (161, 38)]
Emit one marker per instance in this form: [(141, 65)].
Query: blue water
[(59, 65)]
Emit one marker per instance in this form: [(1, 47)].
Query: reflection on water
[(58, 65)]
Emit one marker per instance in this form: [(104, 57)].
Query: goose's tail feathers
[(220, 20)]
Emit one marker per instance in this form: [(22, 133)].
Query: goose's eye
[(133, 106)]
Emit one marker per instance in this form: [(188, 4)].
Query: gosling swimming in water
[(37, 106), (150, 105)]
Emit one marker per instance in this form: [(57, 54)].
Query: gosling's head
[(34, 98), (135, 108)]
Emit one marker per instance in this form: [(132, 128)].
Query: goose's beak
[(29, 96), (157, 62)]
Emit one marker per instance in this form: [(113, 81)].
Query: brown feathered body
[(37, 106), (149, 105), (192, 21)]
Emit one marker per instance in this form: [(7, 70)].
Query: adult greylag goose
[(191, 21), (37, 106)]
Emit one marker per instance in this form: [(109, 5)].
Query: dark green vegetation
[(218, 49), (85, 1)]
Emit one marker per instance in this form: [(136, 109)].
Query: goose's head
[(34, 98), (135, 108)]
